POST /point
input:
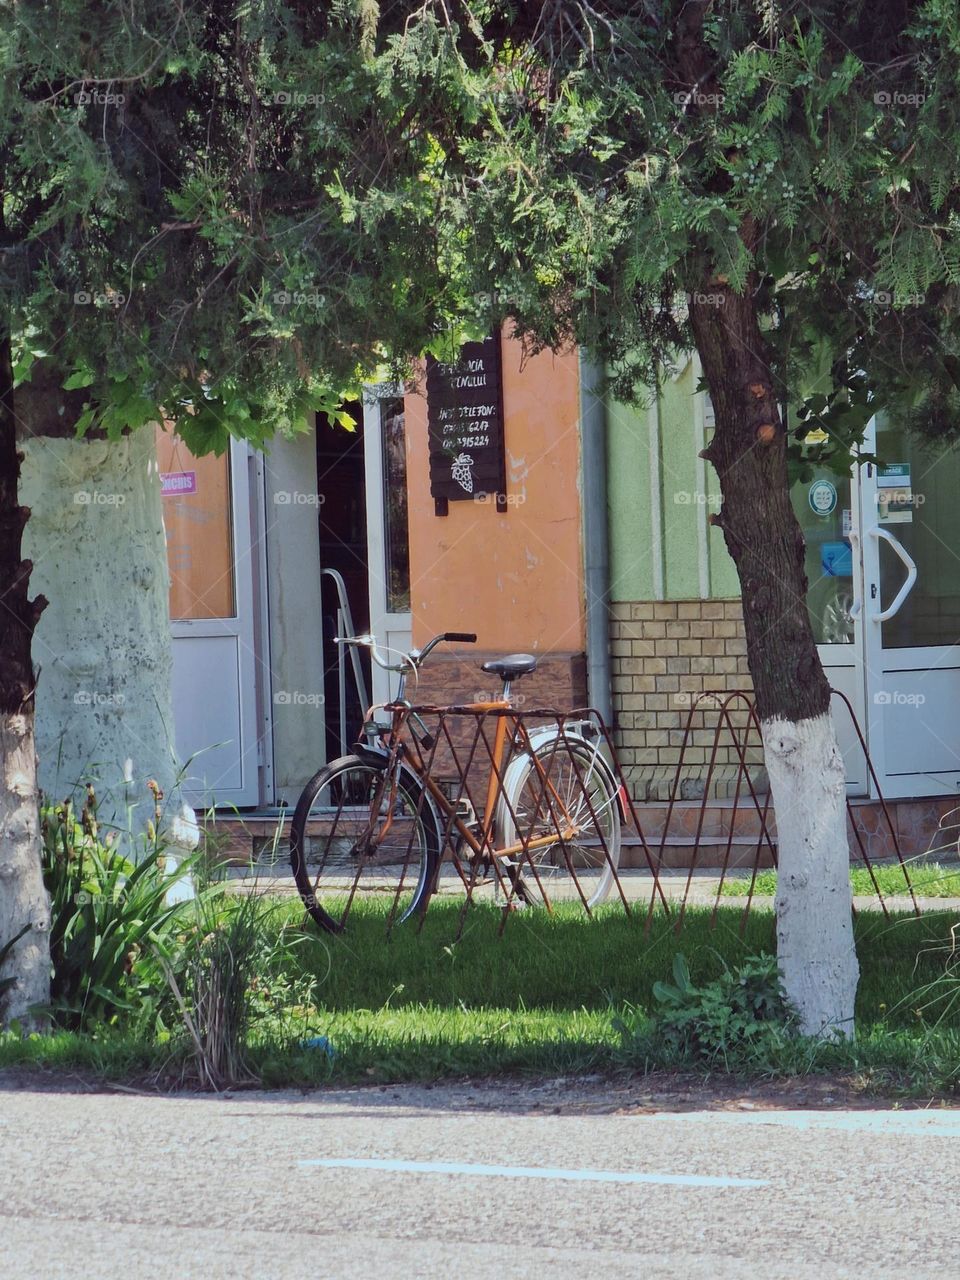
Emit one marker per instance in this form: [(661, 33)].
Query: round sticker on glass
[(822, 497)]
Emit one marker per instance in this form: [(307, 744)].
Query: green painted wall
[(628, 486), (683, 502), (679, 490)]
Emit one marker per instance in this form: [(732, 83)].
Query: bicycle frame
[(507, 798), (510, 735)]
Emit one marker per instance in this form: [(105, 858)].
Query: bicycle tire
[(590, 795), (334, 830)]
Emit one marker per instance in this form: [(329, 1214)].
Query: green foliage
[(738, 1019), (108, 912), (927, 879), (233, 216), (541, 999), (217, 216), (844, 415), (228, 974)]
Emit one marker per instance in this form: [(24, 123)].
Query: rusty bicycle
[(380, 822)]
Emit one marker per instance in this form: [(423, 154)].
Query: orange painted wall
[(514, 579)]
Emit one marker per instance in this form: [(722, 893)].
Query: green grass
[(561, 961), (570, 962), (542, 999), (929, 880)]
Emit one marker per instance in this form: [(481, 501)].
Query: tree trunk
[(814, 909), (104, 646), (23, 898)]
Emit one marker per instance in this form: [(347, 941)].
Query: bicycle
[(378, 822)]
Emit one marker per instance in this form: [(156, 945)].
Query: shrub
[(229, 976), (740, 1019)]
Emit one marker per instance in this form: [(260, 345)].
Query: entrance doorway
[(363, 529), (883, 564), (342, 527), (210, 509)]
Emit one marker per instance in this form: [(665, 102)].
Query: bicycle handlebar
[(415, 657)]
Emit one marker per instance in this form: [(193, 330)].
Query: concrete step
[(687, 851)]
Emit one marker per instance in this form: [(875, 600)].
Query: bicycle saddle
[(512, 667)]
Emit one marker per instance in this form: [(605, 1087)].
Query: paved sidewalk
[(638, 887)]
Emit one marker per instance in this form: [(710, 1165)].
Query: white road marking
[(519, 1171), (933, 1123)]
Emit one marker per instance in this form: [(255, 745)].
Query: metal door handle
[(908, 584)]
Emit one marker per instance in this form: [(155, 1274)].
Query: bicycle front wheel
[(565, 790), (360, 832)]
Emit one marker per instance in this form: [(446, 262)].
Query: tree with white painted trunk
[(807, 777), (230, 216), (176, 243), (24, 907), (755, 183)]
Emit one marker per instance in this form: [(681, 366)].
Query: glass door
[(207, 521), (826, 507), (911, 606)]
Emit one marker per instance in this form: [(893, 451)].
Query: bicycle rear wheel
[(570, 786), (360, 833)]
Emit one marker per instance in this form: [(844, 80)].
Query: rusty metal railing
[(531, 808)]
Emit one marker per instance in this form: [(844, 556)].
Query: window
[(396, 538)]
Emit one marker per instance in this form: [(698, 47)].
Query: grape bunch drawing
[(461, 470)]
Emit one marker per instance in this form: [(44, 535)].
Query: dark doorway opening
[(342, 528)]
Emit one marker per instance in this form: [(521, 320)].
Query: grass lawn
[(543, 998), (929, 880), (568, 961)]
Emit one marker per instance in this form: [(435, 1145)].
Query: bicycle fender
[(542, 737), (374, 755)]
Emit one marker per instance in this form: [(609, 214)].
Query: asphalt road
[(469, 1181)]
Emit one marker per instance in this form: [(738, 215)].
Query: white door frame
[(912, 694), (844, 664), (263, 687), (393, 631), (241, 629)]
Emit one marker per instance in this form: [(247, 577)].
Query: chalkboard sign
[(465, 420)]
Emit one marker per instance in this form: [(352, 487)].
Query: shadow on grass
[(568, 961), (541, 1000)]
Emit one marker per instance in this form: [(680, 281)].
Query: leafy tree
[(257, 206), (759, 183), (212, 215)]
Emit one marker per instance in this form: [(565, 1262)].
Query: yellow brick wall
[(663, 653)]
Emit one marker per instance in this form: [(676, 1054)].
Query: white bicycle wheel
[(569, 787)]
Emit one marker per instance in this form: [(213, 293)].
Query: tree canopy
[(234, 212)]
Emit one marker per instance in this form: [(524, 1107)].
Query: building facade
[(271, 556)]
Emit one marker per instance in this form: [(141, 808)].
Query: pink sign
[(175, 483)]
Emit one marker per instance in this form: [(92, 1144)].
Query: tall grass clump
[(110, 911), (229, 976)]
